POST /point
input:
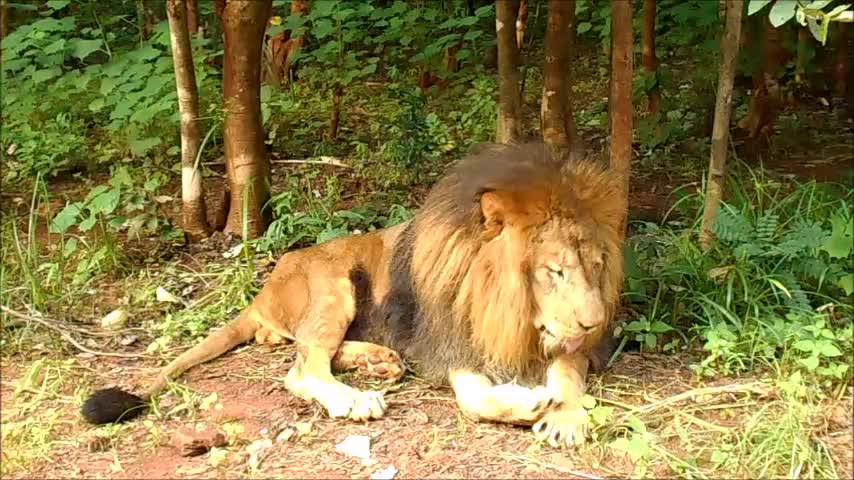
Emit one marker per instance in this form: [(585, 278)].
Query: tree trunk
[(767, 95), (558, 124), (244, 23), (192, 196), (803, 58), (650, 64), (521, 20), (4, 19), (509, 118), (298, 7), (141, 22), (193, 17), (283, 48), (335, 118), (841, 66), (720, 132), (621, 96)]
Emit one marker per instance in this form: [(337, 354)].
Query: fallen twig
[(323, 160), (552, 466), (68, 338)]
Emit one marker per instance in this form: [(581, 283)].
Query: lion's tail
[(115, 405)]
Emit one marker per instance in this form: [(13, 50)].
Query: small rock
[(191, 442), (285, 435), (163, 295), (358, 446), (386, 473), (303, 428), (128, 340), (115, 320)]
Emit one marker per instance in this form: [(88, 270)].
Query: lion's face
[(566, 272)]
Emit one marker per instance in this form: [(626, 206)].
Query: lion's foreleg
[(510, 403), (567, 380)]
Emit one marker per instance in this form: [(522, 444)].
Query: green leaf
[(650, 340), (846, 283), (87, 224), (139, 148), (660, 327), (65, 218), (805, 345), (46, 74), (322, 28), (811, 363), (584, 27), (756, 5), (839, 244), (829, 350), (55, 47), (57, 4), (782, 12), (106, 202), (96, 105), (69, 247), (81, 48)]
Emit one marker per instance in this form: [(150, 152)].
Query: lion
[(501, 286)]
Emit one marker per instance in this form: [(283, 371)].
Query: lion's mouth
[(558, 344)]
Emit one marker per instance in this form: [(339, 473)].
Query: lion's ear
[(501, 208)]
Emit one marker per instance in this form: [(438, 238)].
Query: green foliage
[(784, 254), (303, 217), (809, 13), (127, 203)]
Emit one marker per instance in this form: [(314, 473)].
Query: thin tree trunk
[(766, 97), (621, 96), (335, 118), (804, 42), (192, 195), (521, 21), (841, 65), (650, 63), (193, 17), (558, 124), (141, 22), (720, 132), (298, 7), (4, 19), (244, 23), (509, 119)]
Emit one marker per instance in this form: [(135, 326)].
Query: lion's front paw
[(563, 428), (524, 405), (355, 405)]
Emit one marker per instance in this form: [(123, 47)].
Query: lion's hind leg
[(509, 403), (368, 359), (318, 338)]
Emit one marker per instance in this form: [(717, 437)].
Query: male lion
[(501, 286)]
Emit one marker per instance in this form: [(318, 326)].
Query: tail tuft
[(111, 405)]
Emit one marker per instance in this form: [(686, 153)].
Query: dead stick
[(68, 338)]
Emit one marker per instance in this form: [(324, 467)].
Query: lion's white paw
[(563, 428), (526, 404), (355, 404)]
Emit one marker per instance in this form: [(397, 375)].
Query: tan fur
[(489, 251)]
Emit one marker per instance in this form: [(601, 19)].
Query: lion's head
[(521, 252)]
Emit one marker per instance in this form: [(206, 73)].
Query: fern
[(766, 227), (804, 236), (732, 226)]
